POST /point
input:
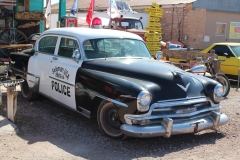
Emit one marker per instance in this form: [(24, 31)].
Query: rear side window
[(48, 44), (220, 50)]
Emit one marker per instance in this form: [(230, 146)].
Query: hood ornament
[(179, 72), (184, 88)]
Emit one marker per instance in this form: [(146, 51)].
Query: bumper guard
[(168, 127)]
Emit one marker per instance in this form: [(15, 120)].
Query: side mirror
[(225, 54), (199, 59), (76, 55), (158, 55)]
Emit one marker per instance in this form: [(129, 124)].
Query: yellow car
[(229, 51)]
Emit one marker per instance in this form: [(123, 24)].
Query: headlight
[(218, 93), (143, 100)]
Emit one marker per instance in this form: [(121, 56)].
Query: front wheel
[(109, 121), (27, 93), (221, 78)]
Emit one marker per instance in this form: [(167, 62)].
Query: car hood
[(163, 81)]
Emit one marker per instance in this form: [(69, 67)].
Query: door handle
[(55, 58)]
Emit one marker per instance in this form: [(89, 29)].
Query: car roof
[(91, 33), (131, 18), (228, 43)]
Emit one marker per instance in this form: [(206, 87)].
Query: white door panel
[(62, 75), (62, 72), (43, 65), (46, 48)]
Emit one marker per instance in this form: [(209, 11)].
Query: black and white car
[(111, 73)]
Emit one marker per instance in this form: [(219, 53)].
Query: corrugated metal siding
[(218, 5), (223, 17), (37, 5)]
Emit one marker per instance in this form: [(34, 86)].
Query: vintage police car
[(111, 73)]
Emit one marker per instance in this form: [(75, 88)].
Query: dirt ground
[(49, 131)]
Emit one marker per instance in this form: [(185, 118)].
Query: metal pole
[(110, 9), (50, 14), (77, 8), (238, 78), (62, 9), (0, 95)]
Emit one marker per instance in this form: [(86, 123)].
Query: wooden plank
[(27, 5), (11, 103), (17, 46)]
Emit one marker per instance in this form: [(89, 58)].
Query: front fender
[(208, 84), (91, 84)]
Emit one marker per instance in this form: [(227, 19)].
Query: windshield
[(131, 23), (115, 47), (236, 50)]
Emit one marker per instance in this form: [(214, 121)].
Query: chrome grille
[(180, 109)]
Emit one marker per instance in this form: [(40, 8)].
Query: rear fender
[(33, 77), (19, 64)]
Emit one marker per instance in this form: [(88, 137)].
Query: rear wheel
[(109, 121), (27, 93), (221, 78)]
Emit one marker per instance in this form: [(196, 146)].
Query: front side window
[(221, 49), (48, 44), (115, 47), (67, 47)]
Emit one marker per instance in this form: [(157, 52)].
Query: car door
[(230, 65), (62, 72), (46, 50)]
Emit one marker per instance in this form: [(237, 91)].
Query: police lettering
[(61, 88)]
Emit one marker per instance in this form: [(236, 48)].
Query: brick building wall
[(185, 25)]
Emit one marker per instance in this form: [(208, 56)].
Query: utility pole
[(62, 9)]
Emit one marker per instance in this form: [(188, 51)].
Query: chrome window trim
[(44, 36), (69, 37), (103, 97)]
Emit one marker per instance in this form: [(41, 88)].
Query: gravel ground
[(49, 131)]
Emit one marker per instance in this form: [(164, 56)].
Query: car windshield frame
[(115, 48), (236, 50)]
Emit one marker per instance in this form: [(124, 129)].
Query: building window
[(221, 29), (21, 6), (234, 30)]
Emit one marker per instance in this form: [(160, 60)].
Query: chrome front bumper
[(168, 127)]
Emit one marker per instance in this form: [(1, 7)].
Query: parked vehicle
[(111, 74), (206, 68), (230, 52), (128, 24), (225, 50)]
